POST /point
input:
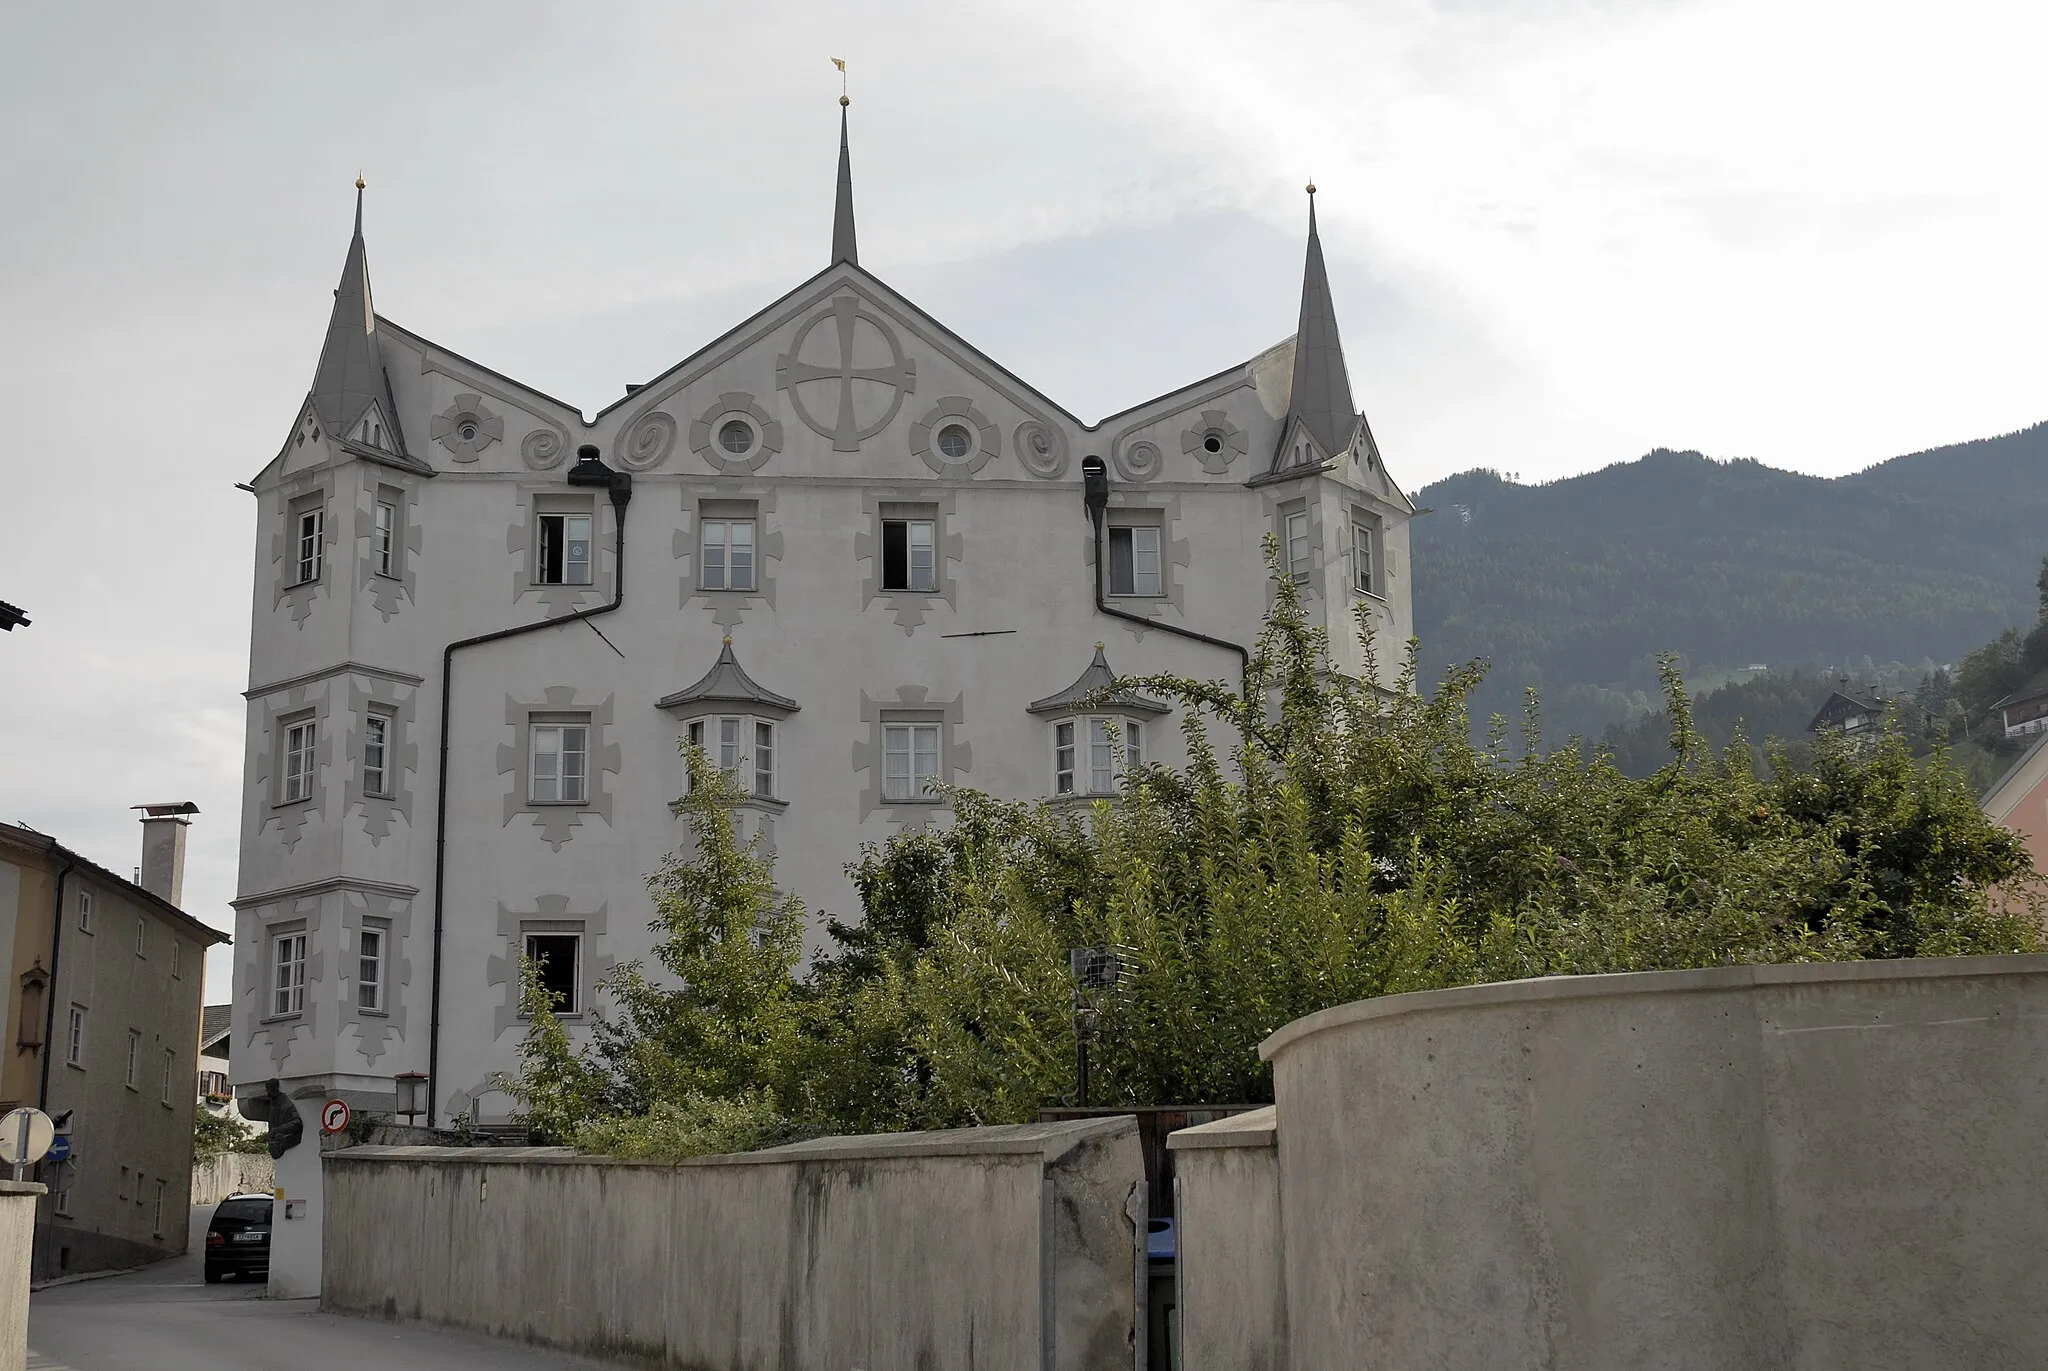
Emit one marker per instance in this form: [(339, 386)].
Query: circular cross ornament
[(837, 380), (334, 1116), (25, 1135)]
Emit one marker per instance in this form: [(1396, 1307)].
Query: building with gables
[(839, 549)]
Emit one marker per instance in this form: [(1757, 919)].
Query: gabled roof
[(1091, 690), (214, 1022), (2034, 689), (727, 683), (2019, 781), (1321, 396), (33, 841), (1845, 702), (350, 377)]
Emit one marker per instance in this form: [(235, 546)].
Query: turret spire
[(843, 248), (1321, 398), (350, 377)]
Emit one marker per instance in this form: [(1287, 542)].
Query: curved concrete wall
[(1834, 1167)]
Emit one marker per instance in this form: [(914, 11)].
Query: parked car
[(238, 1238)]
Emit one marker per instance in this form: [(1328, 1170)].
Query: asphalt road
[(165, 1318)]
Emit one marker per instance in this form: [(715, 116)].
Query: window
[(134, 1075), (370, 969), (312, 526), (299, 739), (85, 911), (1134, 560), (556, 955), (562, 553), (74, 1037), (561, 761), (736, 436), (124, 1182), (764, 759), (384, 538), (157, 1223), (910, 760), (909, 548), (60, 1196), (1361, 557), (170, 1061), (288, 974), (376, 747), (1105, 737), (141, 936), (1297, 545), (955, 442), (728, 554), (177, 958)]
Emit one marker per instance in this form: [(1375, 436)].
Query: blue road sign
[(60, 1149)]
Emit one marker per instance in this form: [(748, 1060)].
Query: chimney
[(163, 849)]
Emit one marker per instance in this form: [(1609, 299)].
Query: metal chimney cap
[(167, 811)]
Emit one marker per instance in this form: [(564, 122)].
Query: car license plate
[(248, 1237)]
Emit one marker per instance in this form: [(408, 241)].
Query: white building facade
[(839, 548)]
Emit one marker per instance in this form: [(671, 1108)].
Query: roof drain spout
[(589, 471), (1095, 495)]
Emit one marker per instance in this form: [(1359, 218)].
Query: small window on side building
[(384, 538), (909, 554), (1134, 560), (557, 954), (562, 551)]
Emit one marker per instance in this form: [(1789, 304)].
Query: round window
[(736, 437), (466, 431), (1213, 443), (955, 442)]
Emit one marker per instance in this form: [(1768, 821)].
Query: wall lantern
[(412, 1094), (35, 984)]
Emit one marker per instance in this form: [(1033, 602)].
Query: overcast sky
[(1560, 234)]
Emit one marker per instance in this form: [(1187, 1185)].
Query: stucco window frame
[(284, 723), (297, 510), (273, 934), (585, 985), (1133, 517), (564, 718), (554, 506)]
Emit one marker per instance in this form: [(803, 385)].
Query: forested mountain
[(1575, 587)]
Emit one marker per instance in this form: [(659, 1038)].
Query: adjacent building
[(2025, 712), (840, 549), (1855, 714), (104, 985)]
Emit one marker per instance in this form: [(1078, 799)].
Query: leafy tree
[(1328, 841), (215, 1135)]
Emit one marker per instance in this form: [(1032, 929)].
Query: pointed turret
[(843, 248), (1321, 398), (350, 377)]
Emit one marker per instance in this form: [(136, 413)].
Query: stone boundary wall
[(1004, 1249), (1829, 1167), (232, 1173), (1233, 1297)]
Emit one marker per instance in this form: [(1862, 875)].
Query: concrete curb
[(89, 1276)]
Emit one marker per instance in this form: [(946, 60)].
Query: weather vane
[(840, 62)]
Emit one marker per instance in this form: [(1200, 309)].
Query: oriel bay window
[(1096, 770), (560, 759), (723, 739)]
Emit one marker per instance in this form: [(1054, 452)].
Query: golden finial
[(728, 640), (1311, 187), (1098, 644), (360, 183)]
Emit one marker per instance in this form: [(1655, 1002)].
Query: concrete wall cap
[(1049, 1141), (1254, 1128), (1557, 989), (23, 1188)]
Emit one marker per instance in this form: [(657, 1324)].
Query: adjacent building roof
[(727, 683), (2034, 689), (1092, 690), (10, 616), (39, 842), (1321, 395), (1842, 704), (214, 1022)]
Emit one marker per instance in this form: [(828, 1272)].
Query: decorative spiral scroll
[(648, 442), (1042, 449), (543, 449), (1139, 461)]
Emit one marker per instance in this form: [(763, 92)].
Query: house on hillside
[(1852, 713), (105, 985), (2025, 711), (840, 549)]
